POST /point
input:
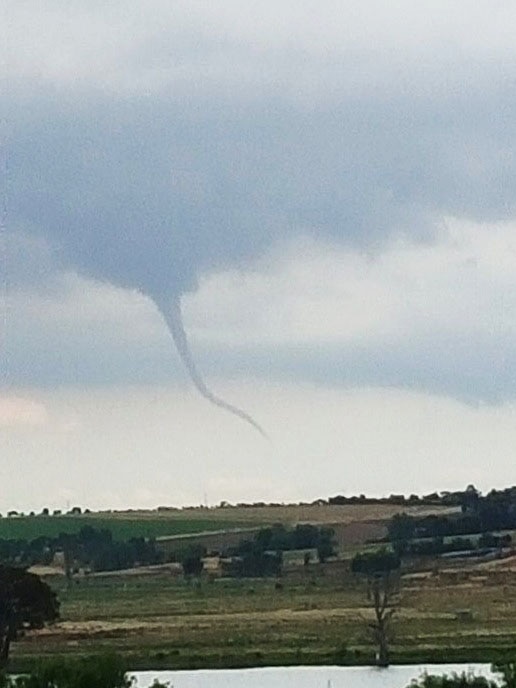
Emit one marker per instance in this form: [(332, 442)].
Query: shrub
[(463, 680), (107, 671)]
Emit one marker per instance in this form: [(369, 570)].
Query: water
[(304, 677)]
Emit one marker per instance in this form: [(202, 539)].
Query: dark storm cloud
[(199, 146), (149, 195)]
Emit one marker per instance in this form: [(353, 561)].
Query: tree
[(253, 562), (325, 544), (470, 500), (26, 602), (401, 530), (384, 591), (508, 673), (381, 569), (506, 679), (192, 562), (101, 671), (68, 542), (463, 680), (376, 562)]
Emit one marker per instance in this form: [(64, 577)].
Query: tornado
[(171, 312)]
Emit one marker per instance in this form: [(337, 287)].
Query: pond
[(303, 677)]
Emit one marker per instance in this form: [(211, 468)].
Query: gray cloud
[(150, 195), (482, 372), (201, 139)]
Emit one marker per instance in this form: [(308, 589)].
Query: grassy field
[(314, 616), (31, 527), (168, 522), (164, 622)]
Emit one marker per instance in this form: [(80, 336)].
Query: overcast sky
[(328, 187)]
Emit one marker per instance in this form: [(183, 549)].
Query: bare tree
[(384, 589), (381, 570)]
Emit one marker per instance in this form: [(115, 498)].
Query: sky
[(328, 191)]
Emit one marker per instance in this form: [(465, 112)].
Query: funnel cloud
[(171, 312)]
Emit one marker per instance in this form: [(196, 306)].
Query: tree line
[(262, 555), (91, 548), (478, 514)]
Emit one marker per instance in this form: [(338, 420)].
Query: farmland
[(172, 522), (31, 527), (164, 621), (313, 613)]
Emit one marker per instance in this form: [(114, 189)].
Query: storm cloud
[(327, 188), (151, 146)]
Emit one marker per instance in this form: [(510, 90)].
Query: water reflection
[(303, 677)]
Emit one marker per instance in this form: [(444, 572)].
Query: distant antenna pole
[(206, 500)]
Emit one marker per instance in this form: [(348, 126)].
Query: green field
[(31, 527)]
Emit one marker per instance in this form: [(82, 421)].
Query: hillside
[(165, 522)]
